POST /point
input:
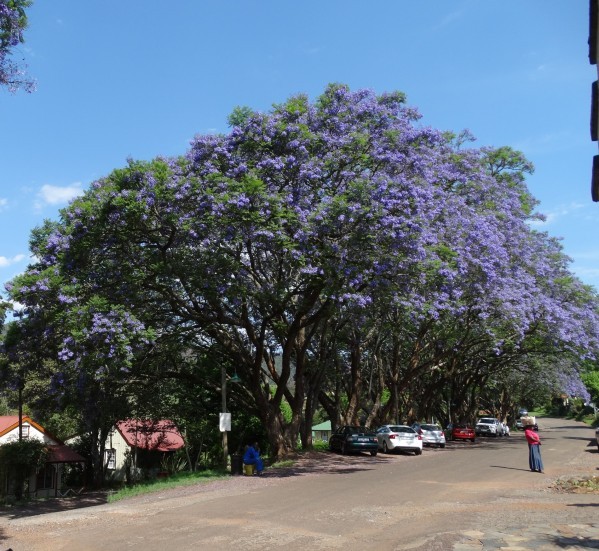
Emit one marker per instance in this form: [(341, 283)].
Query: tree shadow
[(54, 505), (577, 542), (333, 463)]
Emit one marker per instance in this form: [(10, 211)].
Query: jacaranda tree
[(341, 222), (13, 21)]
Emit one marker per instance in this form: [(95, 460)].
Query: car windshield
[(461, 427), (430, 427), (487, 420), (399, 428)]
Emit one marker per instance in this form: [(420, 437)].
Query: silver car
[(399, 437), (432, 435)]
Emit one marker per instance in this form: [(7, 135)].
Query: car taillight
[(419, 437), (392, 436)]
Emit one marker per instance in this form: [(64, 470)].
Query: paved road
[(464, 497)]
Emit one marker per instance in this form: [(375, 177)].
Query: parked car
[(432, 435), (399, 437), (522, 412), (348, 439), (519, 425), (462, 431), (488, 426), (506, 429)]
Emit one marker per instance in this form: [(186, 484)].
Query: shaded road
[(462, 497)]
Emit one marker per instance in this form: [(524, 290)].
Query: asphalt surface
[(463, 497)]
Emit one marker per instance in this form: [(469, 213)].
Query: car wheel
[(472, 440), (343, 449), (418, 452), (441, 445), (385, 448), (373, 453)]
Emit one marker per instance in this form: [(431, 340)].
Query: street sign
[(224, 422)]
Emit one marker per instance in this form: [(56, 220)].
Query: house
[(48, 482), (322, 431), (134, 446)]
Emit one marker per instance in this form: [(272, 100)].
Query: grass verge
[(585, 485), (176, 480)]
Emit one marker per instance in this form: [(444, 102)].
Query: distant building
[(322, 431), (48, 481), (134, 446)]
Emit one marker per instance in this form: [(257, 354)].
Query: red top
[(532, 437), (160, 435)]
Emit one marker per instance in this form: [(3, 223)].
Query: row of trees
[(342, 259)]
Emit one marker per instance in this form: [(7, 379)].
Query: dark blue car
[(351, 439)]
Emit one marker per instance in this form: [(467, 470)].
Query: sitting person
[(252, 457)]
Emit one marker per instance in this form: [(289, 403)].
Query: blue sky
[(119, 79)]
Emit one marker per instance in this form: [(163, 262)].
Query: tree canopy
[(335, 253)]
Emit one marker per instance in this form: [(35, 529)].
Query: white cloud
[(4, 262), (548, 143), (3, 203), (56, 195), (559, 212)]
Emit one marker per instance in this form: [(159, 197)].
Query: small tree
[(19, 459)]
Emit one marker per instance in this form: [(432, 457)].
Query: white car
[(432, 435), (488, 426), (399, 437)]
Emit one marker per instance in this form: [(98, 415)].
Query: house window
[(45, 477), (110, 459), (25, 431)]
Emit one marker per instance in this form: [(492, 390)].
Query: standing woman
[(534, 449)]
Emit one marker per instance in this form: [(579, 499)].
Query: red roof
[(10, 422), (160, 435), (63, 454), (58, 452)]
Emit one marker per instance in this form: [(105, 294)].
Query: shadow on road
[(55, 505), (577, 542), (510, 468)]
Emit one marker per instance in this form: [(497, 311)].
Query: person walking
[(534, 449)]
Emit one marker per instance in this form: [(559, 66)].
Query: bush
[(19, 459)]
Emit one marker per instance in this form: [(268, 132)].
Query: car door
[(382, 434), (336, 439)]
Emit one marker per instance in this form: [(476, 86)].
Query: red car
[(463, 432)]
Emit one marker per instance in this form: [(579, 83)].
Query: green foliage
[(591, 381), (30, 454), (20, 458), (320, 445), (240, 115)]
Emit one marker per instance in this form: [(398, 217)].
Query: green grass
[(282, 464), (176, 480)]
